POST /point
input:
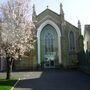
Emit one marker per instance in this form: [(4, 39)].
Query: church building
[(57, 39)]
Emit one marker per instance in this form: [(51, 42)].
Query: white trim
[(48, 17), (59, 37)]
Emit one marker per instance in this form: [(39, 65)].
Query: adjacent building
[(87, 37)]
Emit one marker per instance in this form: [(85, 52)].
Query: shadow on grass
[(4, 82)]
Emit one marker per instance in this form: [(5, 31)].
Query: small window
[(71, 41)]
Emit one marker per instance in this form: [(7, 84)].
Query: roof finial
[(61, 14), (79, 26), (61, 9), (34, 13), (47, 6), (34, 8)]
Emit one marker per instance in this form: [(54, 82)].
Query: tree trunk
[(8, 73), (9, 68)]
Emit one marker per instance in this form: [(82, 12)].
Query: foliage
[(18, 32), (82, 57)]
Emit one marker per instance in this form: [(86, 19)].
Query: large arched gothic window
[(48, 42), (71, 41)]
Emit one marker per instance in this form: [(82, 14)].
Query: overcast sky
[(74, 9)]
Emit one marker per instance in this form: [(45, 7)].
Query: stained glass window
[(48, 42)]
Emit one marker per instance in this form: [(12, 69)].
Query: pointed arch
[(58, 33)]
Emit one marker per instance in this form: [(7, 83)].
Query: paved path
[(54, 80)]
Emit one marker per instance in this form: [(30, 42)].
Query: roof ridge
[(49, 10)]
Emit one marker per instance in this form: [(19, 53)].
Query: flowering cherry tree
[(18, 31)]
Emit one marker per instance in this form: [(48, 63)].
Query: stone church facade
[(58, 41)]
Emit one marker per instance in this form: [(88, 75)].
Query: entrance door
[(49, 60), (49, 64), (49, 46)]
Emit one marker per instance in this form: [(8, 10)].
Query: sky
[(74, 9)]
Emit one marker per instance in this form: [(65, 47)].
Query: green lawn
[(7, 84)]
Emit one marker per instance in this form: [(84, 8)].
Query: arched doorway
[(49, 47), (49, 44)]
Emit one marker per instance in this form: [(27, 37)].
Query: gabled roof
[(48, 12), (54, 15)]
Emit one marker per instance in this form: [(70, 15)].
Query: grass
[(7, 84)]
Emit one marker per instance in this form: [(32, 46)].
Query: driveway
[(54, 80)]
